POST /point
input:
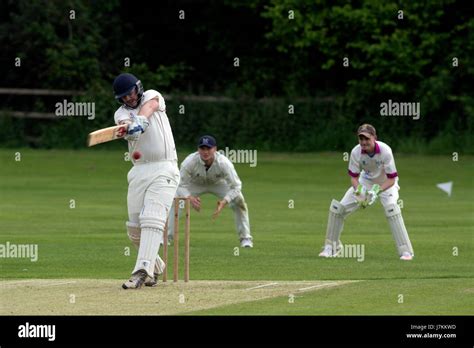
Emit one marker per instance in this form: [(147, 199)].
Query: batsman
[(373, 176), (154, 177)]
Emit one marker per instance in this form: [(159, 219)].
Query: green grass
[(89, 240), (380, 297)]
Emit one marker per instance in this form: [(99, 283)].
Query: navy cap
[(207, 141)]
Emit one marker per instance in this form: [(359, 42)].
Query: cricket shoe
[(151, 281), (406, 256), (246, 243), (328, 251), (136, 280)]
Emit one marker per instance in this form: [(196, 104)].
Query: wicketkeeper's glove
[(361, 195), (137, 127), (373, 193), (360, 191)]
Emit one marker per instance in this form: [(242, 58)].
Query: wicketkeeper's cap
[(207, 141), (367, 130)]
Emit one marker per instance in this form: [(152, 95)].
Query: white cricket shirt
[(222, 171), (157, 142), (373, 169)]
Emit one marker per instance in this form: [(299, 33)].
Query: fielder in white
[(154, 177), (373, 175), (208, 171)]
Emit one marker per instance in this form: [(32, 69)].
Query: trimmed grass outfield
[(90, 241)]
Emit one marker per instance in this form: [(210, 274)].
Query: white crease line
[(18, 282), (262, 286), (35, 280), (319, 286), (62, 283)]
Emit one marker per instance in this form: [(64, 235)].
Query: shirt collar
[(377, 149)]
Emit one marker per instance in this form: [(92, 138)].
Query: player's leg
[(242, 223), (134, 234), (241, 215), (338, 211), (393, 213), (135, 198), (156, 205)]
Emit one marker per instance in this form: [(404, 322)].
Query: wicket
[(187, 227)]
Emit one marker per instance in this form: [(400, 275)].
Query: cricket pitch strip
[(106, 297)]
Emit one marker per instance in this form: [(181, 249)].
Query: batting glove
[(373, 193), (137, 127)]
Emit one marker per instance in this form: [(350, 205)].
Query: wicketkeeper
[(154, 177), (373, 176), (208, 171)]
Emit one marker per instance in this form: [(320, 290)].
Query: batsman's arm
[(127, 122), (149, 108)]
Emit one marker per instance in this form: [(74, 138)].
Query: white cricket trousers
[(151, 189)]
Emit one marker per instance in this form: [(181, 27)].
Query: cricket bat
[(106, 134)]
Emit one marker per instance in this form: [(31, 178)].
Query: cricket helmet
[(124, 84)]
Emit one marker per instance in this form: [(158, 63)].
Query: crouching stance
[(154, 177), (373, 175), (208, 171)]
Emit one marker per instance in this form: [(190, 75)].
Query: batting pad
[(133, 232), (149, 246), (335, 223), (153, 215), (399, 231), (159, 265)]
